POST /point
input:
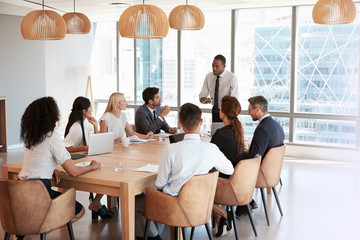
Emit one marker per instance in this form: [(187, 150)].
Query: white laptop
[(215, 126), (101, 143)]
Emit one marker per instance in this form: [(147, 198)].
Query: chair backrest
[(197, 198), (239, 188), (191, 208), (270, 168), (27, 209), (23, 206)]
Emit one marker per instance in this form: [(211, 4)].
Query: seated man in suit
[(150, 116), (268, 134), (190, 157)]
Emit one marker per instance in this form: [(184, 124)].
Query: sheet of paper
[(148, 168), (82, 164), (136, 139)]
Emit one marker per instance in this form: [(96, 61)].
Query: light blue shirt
[(187, 158), (263, 117)]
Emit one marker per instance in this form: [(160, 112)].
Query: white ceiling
[(102, 10)]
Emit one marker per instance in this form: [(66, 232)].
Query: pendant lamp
[(186, 17), (143, 21), (334, 12), (43, 25), (77, 23)]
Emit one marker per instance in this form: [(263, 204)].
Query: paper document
[(136, 139), (148, 168), (82, 164)]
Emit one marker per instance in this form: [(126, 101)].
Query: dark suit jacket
[(268, 134), (144, 121), (225, 140)]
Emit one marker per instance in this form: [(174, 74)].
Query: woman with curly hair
[(114, 119), (76, 138), (45, 148), (230, 140)]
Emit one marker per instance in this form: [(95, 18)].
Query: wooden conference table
[(124, 184)]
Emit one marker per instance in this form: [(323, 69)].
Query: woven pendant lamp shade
[(77, 23), (143, 21), (186, 17), (43, 25), (334, 12)]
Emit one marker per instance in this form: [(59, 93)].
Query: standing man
[(217, 84), (268, 133), (150, 116)]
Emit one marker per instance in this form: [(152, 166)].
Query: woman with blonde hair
[(114, 119)]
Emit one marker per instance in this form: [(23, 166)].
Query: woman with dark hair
[(77, 129), (76, 137), (230, 140), (45, 148)]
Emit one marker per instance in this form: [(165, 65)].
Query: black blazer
[(144, 121), (225, 140), (268, 134)]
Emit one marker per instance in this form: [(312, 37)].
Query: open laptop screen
[(101, 143)]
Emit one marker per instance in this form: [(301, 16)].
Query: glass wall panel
[(262, 55), (103, 60), (169, 67), (198, 49), (328, 66), (325, 132), (148, 66), (126, 69)]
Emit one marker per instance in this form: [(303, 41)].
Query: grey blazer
[(144, 121)]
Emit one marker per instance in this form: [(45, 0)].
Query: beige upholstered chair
[(269, 175), (239, 188), (27, 209), (191, 208)]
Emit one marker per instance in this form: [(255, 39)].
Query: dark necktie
[(216, 94), (215, 109), (154, 115)]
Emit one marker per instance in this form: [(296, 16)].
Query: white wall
[(34, 69)]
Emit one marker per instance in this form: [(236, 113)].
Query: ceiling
[(110, 10)]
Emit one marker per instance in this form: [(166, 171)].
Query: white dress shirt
[(41, 160), (187, 158), (114, 124), (74, 138), (228, 85)]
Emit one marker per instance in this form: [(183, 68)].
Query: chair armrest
[(61, 211)]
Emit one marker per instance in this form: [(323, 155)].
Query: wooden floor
[(320, 200)]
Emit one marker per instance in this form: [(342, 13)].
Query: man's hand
[(164, 111), (173, 130), (204, 100), (149, 135)]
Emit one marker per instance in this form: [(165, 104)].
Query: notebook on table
[(100, 143), (215, 126)]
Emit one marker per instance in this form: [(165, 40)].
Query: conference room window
[(198, 49), (103, 60), (169, 70), (327, 66), (126, 69), (262, 55), (148, 66)]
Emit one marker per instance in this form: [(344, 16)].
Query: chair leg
[(280, 181), (277, 200), (208, 231), (42, 236), (7, 236), (176, 233), (234, 222), (192, 233), (251, 220), (70, 230), (265, 205), (147, 224), (183, 230)]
